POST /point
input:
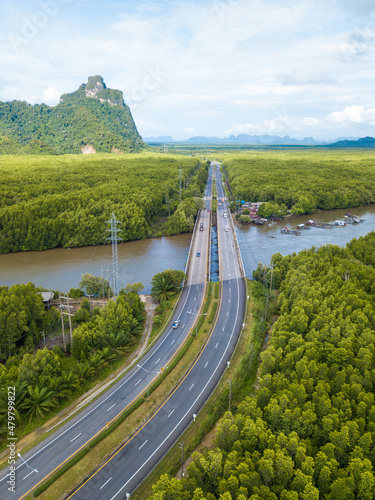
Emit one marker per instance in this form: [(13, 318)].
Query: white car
[(226, 228)]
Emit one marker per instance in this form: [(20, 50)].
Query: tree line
[(302, 181), (44, 379), (308, 433), (49, 202)]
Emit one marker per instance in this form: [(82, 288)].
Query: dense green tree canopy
[(302, 180), (309, 432), (52, 201)]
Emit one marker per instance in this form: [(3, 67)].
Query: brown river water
[(61, 269)]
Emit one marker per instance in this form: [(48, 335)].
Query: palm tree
[(18, 405), (84, 371), (39, 401), (162, 289), (95, 361), (118, 342), (64, 385), (20, 391), (135, 327)]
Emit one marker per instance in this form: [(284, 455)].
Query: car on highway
[(198, 254), (176, 324), (226, 228)]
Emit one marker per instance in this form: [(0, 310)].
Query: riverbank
[(259, 243)]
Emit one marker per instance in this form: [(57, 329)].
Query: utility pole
[(181, 445), (114, 239), (230, 391), (67, 313)]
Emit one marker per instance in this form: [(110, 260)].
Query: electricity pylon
[(115, 239)]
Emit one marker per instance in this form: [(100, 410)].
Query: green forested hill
[(93, 115)]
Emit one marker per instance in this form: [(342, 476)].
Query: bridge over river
[(120, 475)]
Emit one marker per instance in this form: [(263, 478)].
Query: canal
[(61, 269)]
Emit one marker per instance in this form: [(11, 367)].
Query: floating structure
[(287, 230), (352, 219)]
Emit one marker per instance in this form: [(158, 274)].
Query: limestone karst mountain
[(93, 118)]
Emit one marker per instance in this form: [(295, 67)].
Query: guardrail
[(237, 246), (187, 266)]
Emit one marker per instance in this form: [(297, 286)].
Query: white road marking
[(75, 437), (143, 444), (137, 383), (173, 341), (29, 474), (195, 298), (191, 387), (223, 328), (156, 362), (216, 345), (229, 301), (183, 325), (105, 483), (110, 408), (170, 413), (228, 313), (205, 365)]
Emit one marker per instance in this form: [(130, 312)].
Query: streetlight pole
[(196, 324), (230, 391), (27, 465), (181, 445)]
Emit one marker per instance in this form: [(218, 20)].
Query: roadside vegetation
[(302, 181), (46, 380), (66, 201), (125, 425), (308, 432)]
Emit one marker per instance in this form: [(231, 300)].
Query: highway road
[(120, 475), (67, 440)]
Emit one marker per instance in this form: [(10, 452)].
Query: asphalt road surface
[(42, 460), (120, 475)]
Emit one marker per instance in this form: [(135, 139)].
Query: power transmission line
[(114, 239)]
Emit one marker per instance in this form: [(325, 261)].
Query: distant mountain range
[(239, 139), (91, 119), (367, 142)]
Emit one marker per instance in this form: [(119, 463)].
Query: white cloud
[(218, 62), (353, 116), (51, 96)]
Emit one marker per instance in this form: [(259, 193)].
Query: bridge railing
[(237, 246), (188, 262)]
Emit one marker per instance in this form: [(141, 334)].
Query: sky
[(303, 68)]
